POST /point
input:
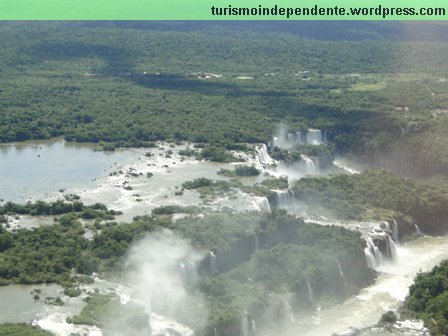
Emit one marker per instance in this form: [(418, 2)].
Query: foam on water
[(56, 323), (387, 292)]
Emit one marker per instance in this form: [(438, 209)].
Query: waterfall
[(286, 139), (395, 230), (392, 248), (187, 272), (314, 137), (291, 138), (310, 291), (316, 161), (275, 142), (288, 312), (417, 230), (370, 258), (373, 255), (298, 139), (256, 242), (310, 166), (247, 324), (213, 265), (263, 155), (284, 197), (340, 271), (262, 204), (215, 331)]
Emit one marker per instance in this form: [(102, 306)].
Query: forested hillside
[(133, 82)]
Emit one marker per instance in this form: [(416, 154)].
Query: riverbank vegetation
[(59, 207), (223, 88), (379, 195), (112, 317), (9, 329), (285, 255), (116, 85), (428, 299)]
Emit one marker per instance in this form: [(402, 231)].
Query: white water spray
[(310, 166), (213, 264), (374, 257), (263, 156), (314, 137), (417, 230), (256, 242), (310, 291)]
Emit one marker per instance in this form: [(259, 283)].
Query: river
[(387, 292), (39, 169)]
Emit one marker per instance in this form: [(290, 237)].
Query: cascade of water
[(215, 331), (287, 139), (298, 138), (288, 312), (291, 138), (340, 271), (373, 255), (316, 161), (263, 204), (310, 166), (191, 272), (392, 248), (284, 197), (314, 137), (187, 272), (417, 230), (310, 291), (244, 324), (256, 242), (213, 264), (395, 230), (388, 247), (377, 253), (263, 155), (370, 259)]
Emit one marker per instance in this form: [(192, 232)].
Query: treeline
[(8, 329), (422, 153), (288, 255), (380, 194), (261, 259), (428, 299), (130, 84), (58, 207)]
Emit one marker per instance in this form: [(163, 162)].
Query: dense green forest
[(9, 329), (428, 299), (378, 90), (380, 195), (288, 255), (132, 83)]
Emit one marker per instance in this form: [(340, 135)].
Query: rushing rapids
[(386, 293), (383, 252)]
